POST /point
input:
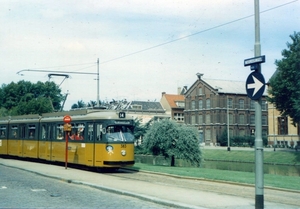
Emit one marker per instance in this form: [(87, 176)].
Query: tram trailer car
[(97, 138)]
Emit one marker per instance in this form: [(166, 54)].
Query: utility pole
[(228, 137), (259, 170), (98, 85)]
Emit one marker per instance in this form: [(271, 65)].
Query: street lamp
[(228, 139), (274, 138), (68, 72)]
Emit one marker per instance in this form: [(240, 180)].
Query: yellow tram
[(96, 138)]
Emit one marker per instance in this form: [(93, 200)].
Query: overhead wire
[(172, 41), (193, 34)]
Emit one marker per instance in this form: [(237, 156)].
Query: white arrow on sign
[(256, 85)]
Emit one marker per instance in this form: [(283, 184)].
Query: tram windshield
[(119, 133)]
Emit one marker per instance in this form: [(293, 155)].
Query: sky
[(144, 47)]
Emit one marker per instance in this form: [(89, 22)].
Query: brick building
[(174, 105), (214, 106)]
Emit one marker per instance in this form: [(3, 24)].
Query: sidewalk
[(171, 195)]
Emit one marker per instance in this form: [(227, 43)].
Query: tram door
[(90, 144), (22, 144), (45, 142), (13, 142), (99, 144)]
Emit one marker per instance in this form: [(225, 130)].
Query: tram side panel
[(75, 147), (80, 144), (14, 143)]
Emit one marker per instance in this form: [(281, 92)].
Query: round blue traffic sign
[(255, 85)]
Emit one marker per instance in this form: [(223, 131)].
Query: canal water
[(284, 170)]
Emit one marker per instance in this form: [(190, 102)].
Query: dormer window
[(136, 107), (179, 103)]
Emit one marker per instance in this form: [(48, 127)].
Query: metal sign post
[(255, 86), (259, 154)]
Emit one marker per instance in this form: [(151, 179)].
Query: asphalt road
[(22, 189)]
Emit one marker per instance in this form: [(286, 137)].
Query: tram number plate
[(123, 145)]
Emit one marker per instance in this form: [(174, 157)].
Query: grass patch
[(278, 157), (287, 182)]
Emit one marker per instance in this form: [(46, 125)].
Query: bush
[(172, 140)]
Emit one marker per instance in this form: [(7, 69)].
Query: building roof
[(227, 86), (173, 98), (145, 106)]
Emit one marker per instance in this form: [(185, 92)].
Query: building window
[(200, 91), (242, 132), (252, 119), (241, 104), (230, 132), (180, 103), (178, 117), (200, 119), (207, 119), (136, 107), (264, 120), (207, 135), (200, 104), (193, 117), (252, 107), (208, 104), (264, 133), (193, 105), (229, 103), (230, 118), (282, 125), (263, 105), (242, 119)]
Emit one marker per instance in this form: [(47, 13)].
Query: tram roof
[(82, 114)]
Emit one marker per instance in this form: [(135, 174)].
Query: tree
[(25, 97), (80, 104), (139, 129), (223, 139), (171, 140), (285, 85)]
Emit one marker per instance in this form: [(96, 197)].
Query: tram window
[(50, 131), (59, 132), (99, 132), (3, 131), (44, 133), (77, 132), (90, 132), (119, 133), (14, 132), (31, 131)]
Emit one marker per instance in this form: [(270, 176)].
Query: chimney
[(179, 90), (163, 93)]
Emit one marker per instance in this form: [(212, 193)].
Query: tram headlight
[(109, 149), (123, 152)]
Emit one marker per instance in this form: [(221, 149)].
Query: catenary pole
[(259, 175), (98, 85)]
